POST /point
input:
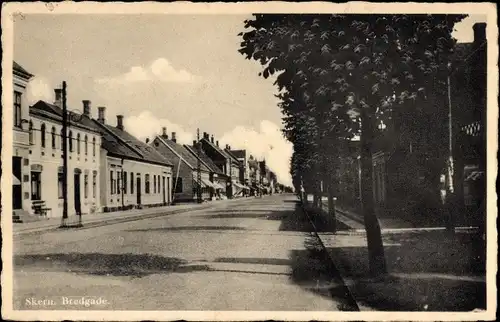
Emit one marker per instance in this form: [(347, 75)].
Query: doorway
[(138, 189), (17, 191), (36, 186), (76, 186), (163, 192)]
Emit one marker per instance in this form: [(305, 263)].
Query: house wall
[(20, 146), (50, 158), (122, 191), (180, 169)]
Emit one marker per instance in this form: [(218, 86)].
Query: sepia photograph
[(249, 161)]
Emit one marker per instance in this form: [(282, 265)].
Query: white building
[(84, 141), (133, 174), (20, 143)]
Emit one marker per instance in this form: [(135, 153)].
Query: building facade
[(133, 174), (185, 169), (228, 164), (46, 153), (217, 177), (21, 195)]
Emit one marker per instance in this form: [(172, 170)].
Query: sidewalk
[(429, 270), (355, 222), (100, 219)]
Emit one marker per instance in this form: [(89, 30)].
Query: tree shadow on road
[(134, 265), (314, 271)]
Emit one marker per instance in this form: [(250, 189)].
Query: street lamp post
[(66, 122)]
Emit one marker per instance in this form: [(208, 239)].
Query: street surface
[(250, 254)]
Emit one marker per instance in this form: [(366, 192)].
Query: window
[(78, 143), (17, 109), (159, 184), (70, 141), (147, 183), (125, 182), (131, 182), (53, 133), (62, 140), (178, 185), (36, 184), (31, 132), (86, 186), (94, 185), (112, 182), (42, 135), (86, 144), (93, 146), (154, 183), (60, 178)]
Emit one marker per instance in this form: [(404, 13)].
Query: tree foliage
[(339, 75)]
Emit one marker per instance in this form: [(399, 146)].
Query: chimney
[(174, 139), (164, 132), (194, 143), (227, 146), (100, 114), (147, 140), (479, 33), (217, 142), (86, 108), (119, 122), (58, 97), (212, 139)]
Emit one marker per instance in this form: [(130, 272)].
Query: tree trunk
[(372, 227), (458, 180), (331, 206)]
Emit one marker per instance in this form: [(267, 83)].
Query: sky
[(179, 71)]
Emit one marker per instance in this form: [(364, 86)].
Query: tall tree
[(358, 61)]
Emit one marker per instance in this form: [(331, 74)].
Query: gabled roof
[(216, 148), (205, 159), (182, 153), (232, 156), (19, 69), (44, 109), (241, 154), (145, 151), (115, 141)]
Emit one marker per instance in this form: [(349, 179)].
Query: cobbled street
[(249, 254)]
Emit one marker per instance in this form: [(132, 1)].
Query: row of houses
[(109, 169)]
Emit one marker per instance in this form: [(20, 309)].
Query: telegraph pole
[(65, 156), (198, 165)]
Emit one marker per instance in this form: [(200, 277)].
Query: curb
[(117, 219), (352, 299), (110, 221)]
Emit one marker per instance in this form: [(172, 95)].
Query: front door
[(138, 189), (17, 191), (36, 186), (78, 204)]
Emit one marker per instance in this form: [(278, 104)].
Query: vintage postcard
[(249, 161)]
